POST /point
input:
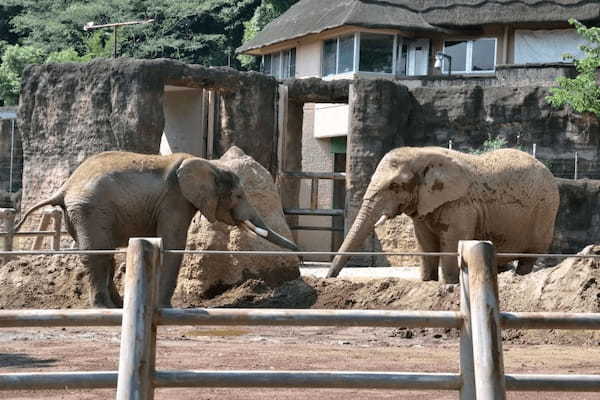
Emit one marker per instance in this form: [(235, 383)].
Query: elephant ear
[(197, 181), (443, 180)]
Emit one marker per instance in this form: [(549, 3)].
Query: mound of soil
[(571, 286)]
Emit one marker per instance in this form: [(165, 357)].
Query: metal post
[(467, 366), (576, 165), (479, 258), (138, 332), (534, 150), (12, 156), (57, 218)]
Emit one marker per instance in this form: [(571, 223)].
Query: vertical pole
[(115, 40), (314, 193), (8, 215), (12, 155), (57, 219), (282, 125), (467, 365), (480, 260), (450, 144), (534, 150), (42, 227), (576, 165), (212, 122), (138, 333)]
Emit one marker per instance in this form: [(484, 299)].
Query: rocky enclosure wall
[(70, 111)]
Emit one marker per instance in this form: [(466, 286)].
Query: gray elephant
[(505, 196), (113, 196)]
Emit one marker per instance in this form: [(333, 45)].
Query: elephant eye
[(394, 187)]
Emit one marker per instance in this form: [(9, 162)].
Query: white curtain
[(543, 46)]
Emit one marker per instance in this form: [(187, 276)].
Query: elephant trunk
[(257, 225), (362, 226)]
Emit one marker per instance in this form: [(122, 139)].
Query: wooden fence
[(481, 374)]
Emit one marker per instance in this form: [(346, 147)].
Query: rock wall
[(10, 160), (70, 111), (207, 275)]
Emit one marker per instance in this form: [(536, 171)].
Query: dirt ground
[(570, 286)]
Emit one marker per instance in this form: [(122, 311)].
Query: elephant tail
[(56, 200)]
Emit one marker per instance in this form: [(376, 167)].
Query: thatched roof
[(314, 16)]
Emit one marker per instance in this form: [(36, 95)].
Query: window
[(376, 53), (471, 56), (281, 65), (338, 55)]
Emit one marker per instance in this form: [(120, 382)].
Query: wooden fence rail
[(481, 374)]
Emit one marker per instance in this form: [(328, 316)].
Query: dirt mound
[(571, 286)]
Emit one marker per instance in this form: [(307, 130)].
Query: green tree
[(14, 60), (582, 93), (265, 13)]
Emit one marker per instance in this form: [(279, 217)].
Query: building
[(416, 42)]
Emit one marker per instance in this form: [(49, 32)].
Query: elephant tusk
[(259, 231), (381, 220)]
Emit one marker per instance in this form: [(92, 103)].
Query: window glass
[(346, 57), (267, 64), (376, 52), (458, 51), (285, 62), (293, 62), (276, 65), (329, 56), (484, 52)]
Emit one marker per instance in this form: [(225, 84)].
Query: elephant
[(115, 195), (505, 196)]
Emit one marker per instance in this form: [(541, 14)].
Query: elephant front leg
[(428, 242)]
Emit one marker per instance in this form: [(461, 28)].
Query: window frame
[(469, 56), (281, 56), (394, 55)]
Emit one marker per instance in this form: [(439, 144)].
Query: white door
[(418, 57)]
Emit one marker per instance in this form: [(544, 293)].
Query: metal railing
[(52, 216), (314, 209), (481, 374)]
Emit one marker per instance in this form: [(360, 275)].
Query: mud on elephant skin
[(113, 196), (505, 196)]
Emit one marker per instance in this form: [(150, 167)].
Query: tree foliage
[(582, 93), (204, 32)]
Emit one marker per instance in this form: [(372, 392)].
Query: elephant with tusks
[(113, 196), (505, 196)]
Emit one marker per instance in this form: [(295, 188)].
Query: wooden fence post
[(8, 215), (479, 258), (43, 226), (138, 333), (57, 219), (467, 367)]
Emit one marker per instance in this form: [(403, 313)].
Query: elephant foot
[(429, 274), (101, 301), (446, 289), (524, 267)]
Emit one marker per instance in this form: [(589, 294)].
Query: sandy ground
[(572, 286), (276, 348)]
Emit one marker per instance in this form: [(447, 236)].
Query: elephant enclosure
[(59, 282)]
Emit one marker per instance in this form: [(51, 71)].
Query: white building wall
[(308, 60)]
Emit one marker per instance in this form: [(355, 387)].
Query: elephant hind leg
[(102, 291)]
